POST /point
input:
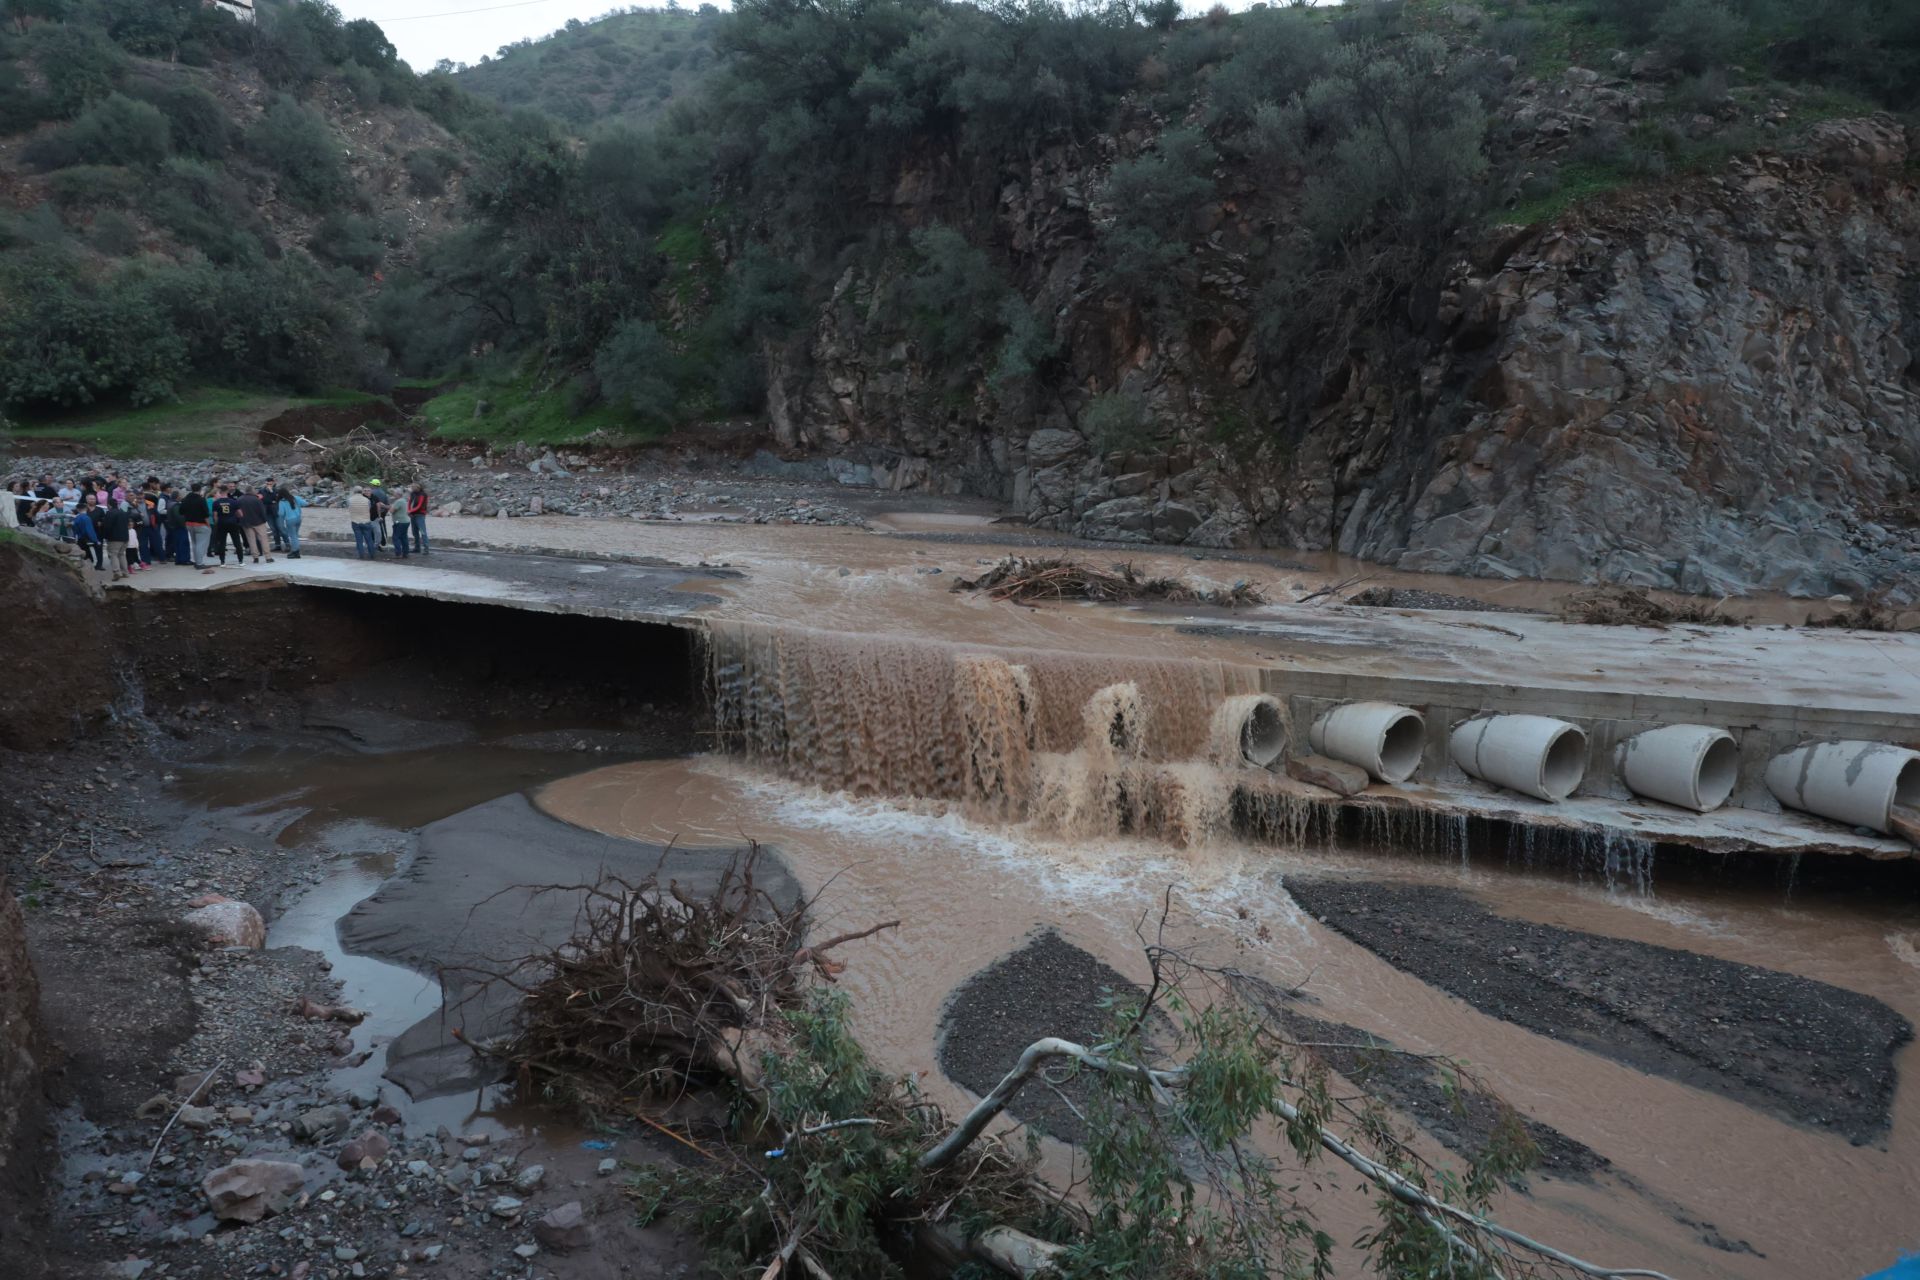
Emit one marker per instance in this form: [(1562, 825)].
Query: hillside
[(626, 66), (185, 199), (1614, 289)]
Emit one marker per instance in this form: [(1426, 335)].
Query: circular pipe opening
[(1906, 785), (1263, 736), (1565, 763), (1401, 747), (1718, 771)]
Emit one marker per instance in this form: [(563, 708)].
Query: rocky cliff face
[(1708, 385)]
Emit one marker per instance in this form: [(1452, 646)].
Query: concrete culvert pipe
[(1249, 727), (1857, 783), (1692, 765), (1383, 738), (1537, 756)]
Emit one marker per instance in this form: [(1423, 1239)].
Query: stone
[(528, 1180), (196, 1086), (1051, 446), (565, 1229), (153, 1108), (1336, 776), (247, 1190), (608, 1167), (239, 1115), (129, 1269), (369, 1147), (228, 924), (198, 1117), (321, 1124), (506, 1207)]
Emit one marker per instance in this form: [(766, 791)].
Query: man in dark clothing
[(113, 528), (46, 489), (179, 546), (198, 515), (253, 523), (270, 501), (381, 503), (226, 527)]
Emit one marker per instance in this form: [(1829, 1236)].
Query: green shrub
[(637, 369), (427, 170), (364, 84), (20, 106), (1699, 34), (206, 208), (197, 122), (114, 234), (67, 338), (117, 130), (351, 241), (302, 150), (80, 63), (92, 186), (953, 297)]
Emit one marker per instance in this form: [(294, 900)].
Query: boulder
[(228, 924), (566, 1229), (1336, 776), (322, 1123), (248, 1190)]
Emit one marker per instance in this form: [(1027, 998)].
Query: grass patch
[(1574, 182), (210, 419), (522, 409)]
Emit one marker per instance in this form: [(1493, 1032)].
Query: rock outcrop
[(1708, 384), (60, 656)]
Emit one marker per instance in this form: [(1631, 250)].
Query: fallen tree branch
[(1437, 1211)]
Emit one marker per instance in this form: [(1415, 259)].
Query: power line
[(457, 13)]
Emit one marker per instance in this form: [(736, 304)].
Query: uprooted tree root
[(1025, 581), (1633, 607), (358, 456)]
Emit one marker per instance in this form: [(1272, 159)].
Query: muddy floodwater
[(1716, 1064), (1794, 1200)]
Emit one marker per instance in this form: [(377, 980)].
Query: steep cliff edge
[(1708, 384)]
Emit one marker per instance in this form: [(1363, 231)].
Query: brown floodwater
[(970, 891)]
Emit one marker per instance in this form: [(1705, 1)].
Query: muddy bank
[(1808, 1051), (60, 679), (23, 1049), (472, 900)]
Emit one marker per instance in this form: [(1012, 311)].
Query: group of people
[(126, 530), (372, 511)]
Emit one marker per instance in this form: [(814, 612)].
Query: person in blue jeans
[(366, 537), (397, 514), (288, 510), (417, 516)]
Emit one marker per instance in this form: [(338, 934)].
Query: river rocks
[(320, 1124), (528, 1180), (565, 1229), (199, 1117), (367, 1150), (247, 1190), (228, 924)]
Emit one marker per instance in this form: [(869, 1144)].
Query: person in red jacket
[(417, 515)]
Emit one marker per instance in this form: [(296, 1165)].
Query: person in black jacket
[(226, 525), (179, 547), (199, 517), (113, 526)]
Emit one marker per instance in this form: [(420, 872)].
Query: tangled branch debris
[(1025, 581), (1633, 607), (358, 456), (658, 986), (1874, 613)]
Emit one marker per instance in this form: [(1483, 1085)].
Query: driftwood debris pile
[(1026, 580), (659, 988), (1633, 607)]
